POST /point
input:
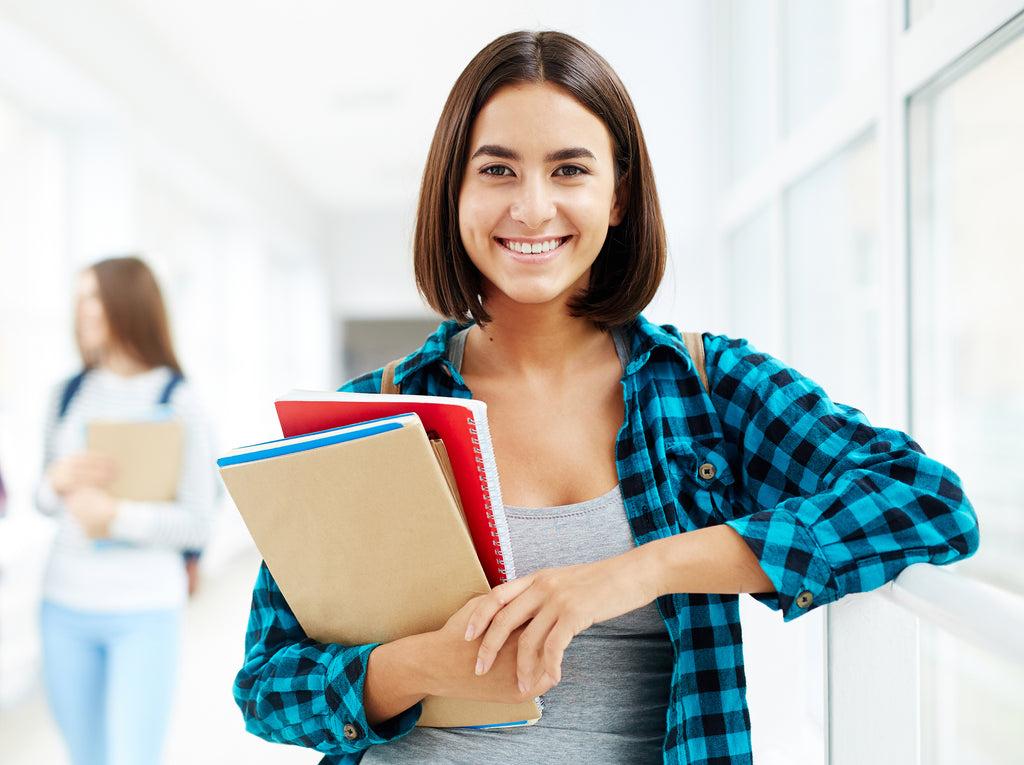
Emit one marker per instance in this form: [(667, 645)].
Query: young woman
[(640, 503), (116, 586)]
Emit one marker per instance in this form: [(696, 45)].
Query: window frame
[(874, 640)]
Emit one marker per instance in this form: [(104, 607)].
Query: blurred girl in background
[(115, 586)]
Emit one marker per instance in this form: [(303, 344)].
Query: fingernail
[(522, 688), (470, 632), (549, 679), (479, 666)]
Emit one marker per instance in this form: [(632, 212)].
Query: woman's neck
[(123, 364), (532, 340)]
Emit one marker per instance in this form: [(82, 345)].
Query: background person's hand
[(94, 509), (80, 471)]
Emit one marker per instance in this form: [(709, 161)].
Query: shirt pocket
[(699, 479)]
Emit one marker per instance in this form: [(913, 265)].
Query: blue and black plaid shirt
[(829, 504)]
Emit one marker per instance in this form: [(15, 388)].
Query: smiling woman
[(642, 497)]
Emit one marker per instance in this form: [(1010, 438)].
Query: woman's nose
[(533, 205)]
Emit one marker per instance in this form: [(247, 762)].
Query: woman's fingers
[(500, 614), (490, 604), (543, 643)]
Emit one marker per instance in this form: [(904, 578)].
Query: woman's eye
[(570, 171), (498, 170)]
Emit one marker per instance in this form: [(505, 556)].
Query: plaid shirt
[(829, 504)]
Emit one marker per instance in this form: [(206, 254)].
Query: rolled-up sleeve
[(832, 504), (294, 690)]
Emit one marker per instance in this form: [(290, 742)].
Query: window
[(871, 238), (967, 180), (832, 290)]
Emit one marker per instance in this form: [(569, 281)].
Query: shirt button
[(706, 471), (351, 731), (804, 599)]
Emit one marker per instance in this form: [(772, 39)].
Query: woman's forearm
[(395, 677), (708, 560)]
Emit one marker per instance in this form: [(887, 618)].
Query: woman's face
[(90, 317), (538, 194)]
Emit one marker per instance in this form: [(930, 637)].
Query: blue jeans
[(110, 679)]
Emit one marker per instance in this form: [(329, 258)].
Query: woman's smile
[(533, 251)]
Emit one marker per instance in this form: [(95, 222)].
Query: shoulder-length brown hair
[(629, 268), (134, 307)]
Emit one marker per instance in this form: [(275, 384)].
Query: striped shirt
[(829, 504), (140, 567)]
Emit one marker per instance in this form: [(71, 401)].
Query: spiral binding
[(498, 529)]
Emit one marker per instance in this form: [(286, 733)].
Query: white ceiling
[(344, 94)]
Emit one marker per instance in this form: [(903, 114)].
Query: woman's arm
[(341, 699), (294, 690), (557, 604), (825, 504), (833, 505)]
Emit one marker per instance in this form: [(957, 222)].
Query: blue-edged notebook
[(362, 530)]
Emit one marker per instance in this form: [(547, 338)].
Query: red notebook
[(462, 426)]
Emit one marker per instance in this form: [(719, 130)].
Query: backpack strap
[(165, 397), (387, 383), (70, 389), (695, 345), (72, 386)]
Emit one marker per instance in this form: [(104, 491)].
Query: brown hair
[(135, 311), (629, 268)]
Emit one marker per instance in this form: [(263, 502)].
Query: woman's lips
[(532, 251)]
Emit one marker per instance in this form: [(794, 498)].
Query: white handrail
[(979, 613)]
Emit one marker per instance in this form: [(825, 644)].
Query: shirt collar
[(433, 351), (645, 338)]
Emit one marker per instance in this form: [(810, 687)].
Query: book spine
[(493, 505)]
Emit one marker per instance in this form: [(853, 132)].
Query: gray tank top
[(611, 705)]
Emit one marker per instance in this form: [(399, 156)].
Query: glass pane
[(918, 9), (753, 127), (971, 704), (967, 180), (828, 45), (753, 278), (833, 275)]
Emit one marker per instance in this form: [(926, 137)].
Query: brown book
[(362, 532), (147, 455)]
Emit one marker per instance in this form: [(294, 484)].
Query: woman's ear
[(620, 202)]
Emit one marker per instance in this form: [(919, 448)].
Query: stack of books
[(379, 516)]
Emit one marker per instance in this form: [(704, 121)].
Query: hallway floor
[(207, 727)]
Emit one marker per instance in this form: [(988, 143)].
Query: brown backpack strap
[(695, 345), (387, 383)]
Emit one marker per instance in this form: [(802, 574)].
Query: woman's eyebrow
[(503, 152), (494, 150), (575, 152)]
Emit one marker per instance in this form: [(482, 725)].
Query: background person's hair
[(630, 266), (135, 312)]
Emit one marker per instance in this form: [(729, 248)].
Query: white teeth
[(525, 248)]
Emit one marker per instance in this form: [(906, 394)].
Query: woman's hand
[(439, 663), (80, 471), (460, 657), (94, 509), (555, 605)]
